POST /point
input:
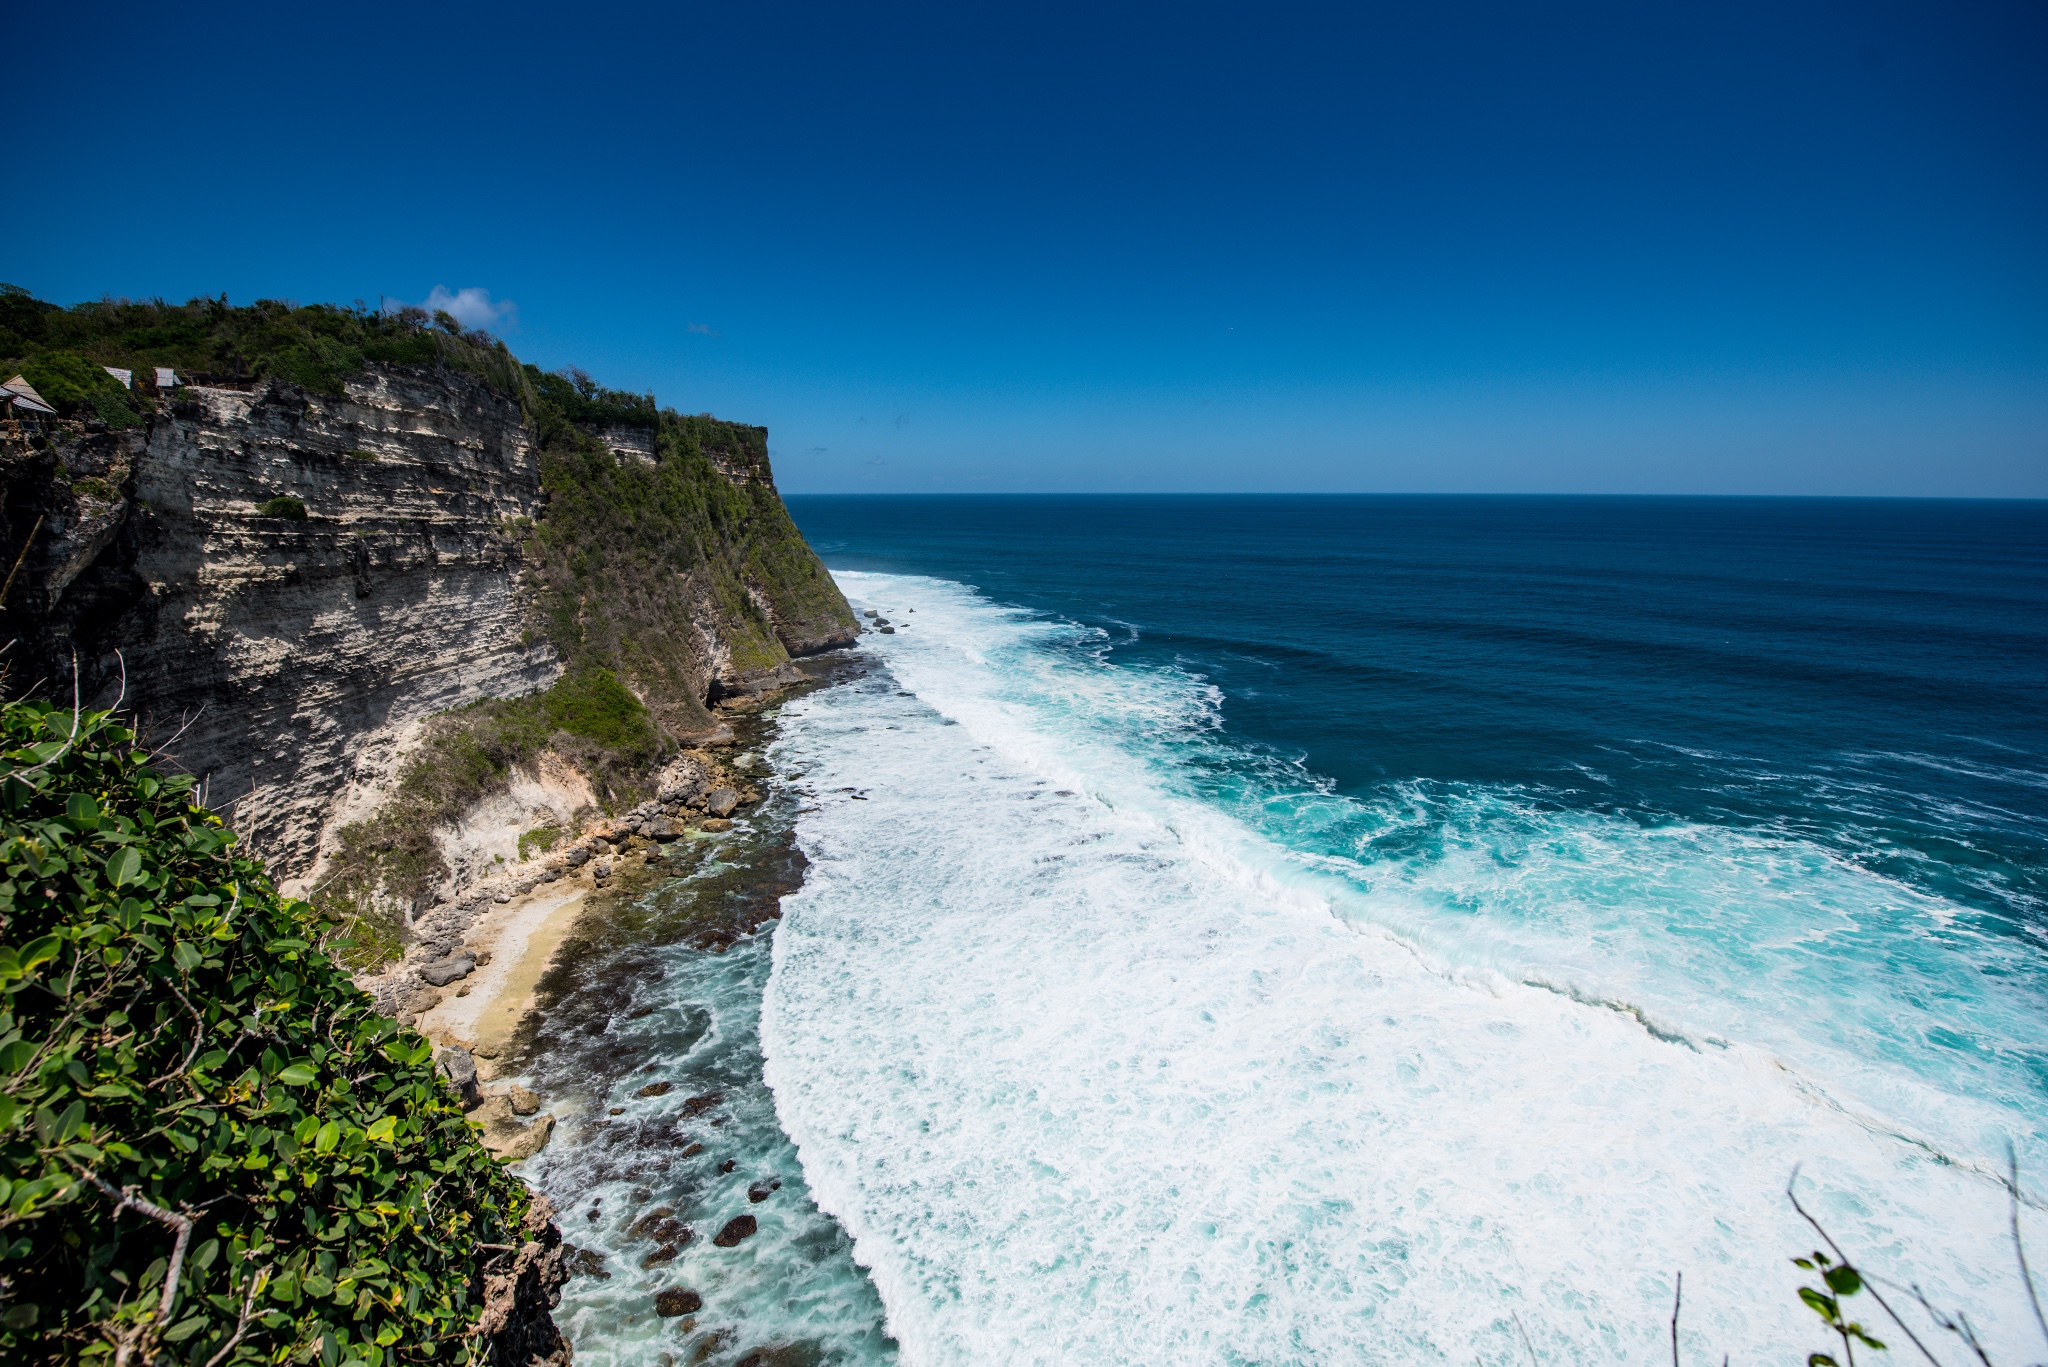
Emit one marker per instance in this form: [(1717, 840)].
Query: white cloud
[(472, 307)]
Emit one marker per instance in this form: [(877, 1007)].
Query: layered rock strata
[(284, 585)]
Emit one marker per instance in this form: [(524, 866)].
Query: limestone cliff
[(289, 581)]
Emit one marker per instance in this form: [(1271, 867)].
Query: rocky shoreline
[(635, 1105), (513, 922)]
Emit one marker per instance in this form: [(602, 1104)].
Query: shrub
[(284, 506), (539, 840), (175, 1046)]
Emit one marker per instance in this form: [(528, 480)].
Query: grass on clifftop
[(170, 1028), (317, 346)]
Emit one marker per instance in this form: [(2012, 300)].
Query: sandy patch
[(522, 937)]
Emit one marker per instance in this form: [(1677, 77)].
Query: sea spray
[(1098, 1059)]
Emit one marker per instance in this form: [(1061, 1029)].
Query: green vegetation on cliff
[(655, 573), (177, 1051), (316, 346)]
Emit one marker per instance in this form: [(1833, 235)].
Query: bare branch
[(69, 740), (126, 1199), (1527, 1346), (121, 696), (1842, 1257), (184, 725), (25, 545), (256, 1280), (1677, 1299), (2019, 1247)]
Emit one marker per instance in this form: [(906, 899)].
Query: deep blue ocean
[(1414, 929)]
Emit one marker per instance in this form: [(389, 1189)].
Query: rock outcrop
[(286, 584)]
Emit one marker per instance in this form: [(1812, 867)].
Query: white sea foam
[(1094, 1071)]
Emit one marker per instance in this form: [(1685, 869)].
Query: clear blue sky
[(1639, 248)]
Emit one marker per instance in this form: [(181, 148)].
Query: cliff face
[(448, 551)]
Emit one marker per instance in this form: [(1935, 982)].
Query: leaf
[(329, 1136), (40, 951), (124, 866), (1820, 1360), (1824, 1306), (383, 1130), (1843, 1280), (298, 1075), (188, 958), (184, 1329)]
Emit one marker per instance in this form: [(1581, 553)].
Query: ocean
[(1414, 929)]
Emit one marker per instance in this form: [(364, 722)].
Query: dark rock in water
[(585, 1262), (871, 614), (460, 1069), (761, 1191), (737, 1228), (888, 631), (692, 1151), (728, 1165), (665, 1254), (676, 1301), (649, 1222), (660, 828), (657, 1089), (616, 1110), (697, 1105), (452, 969), (721, 801)]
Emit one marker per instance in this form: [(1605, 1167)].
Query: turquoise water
[(663, 986), (1395, 930)]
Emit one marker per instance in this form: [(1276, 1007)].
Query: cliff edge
[(329, 537)]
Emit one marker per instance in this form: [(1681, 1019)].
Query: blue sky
[(1721, 249)]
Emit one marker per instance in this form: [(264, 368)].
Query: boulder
[(656, 1089), (677, 1300), (524, 1100), (459, 1067), (530, 1140), (415, 999), (721, 801), (716, 824), (737, 1228), (697, 1105), (577, 856), (761, 1191), (683, 780), (585, 1262), (660, 828), (448, 970), (645, 1226)]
